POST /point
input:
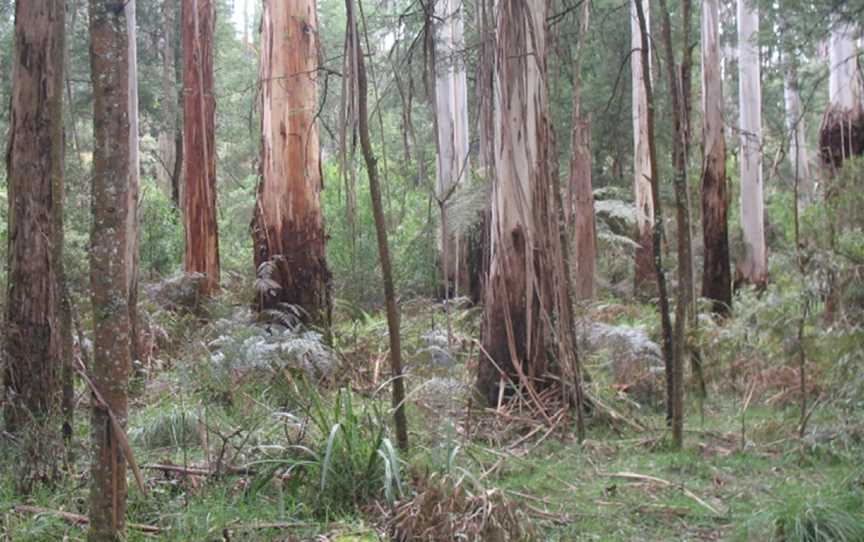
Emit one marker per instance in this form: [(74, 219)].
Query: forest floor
[(233, 449)]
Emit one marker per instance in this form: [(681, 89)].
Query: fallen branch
[(197, 471), (118, 431), (78, 519), (666, 483)]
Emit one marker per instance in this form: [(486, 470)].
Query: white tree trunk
[(844, 83), (799, 157), (716, 277), (641, 158), (451, 109), (754, 265), (132, 219)]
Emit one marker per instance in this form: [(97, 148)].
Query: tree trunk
[(842, 133), (678, 76), (132, 218), (657, 227), (288, 227), (580, 207), (199, 144), (34, 165), (799, 157), (168, 133), (526, 315), (716, 278), (111, 264), (451, 121), (641, 162), (753, 264), (360, 85)]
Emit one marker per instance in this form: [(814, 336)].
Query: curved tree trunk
[(199, 141), (111, 265), (34, 165), (717, 275), (641, 162), (753, 265), (288, 227)]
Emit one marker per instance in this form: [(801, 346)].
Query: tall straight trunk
[(667, 346), (168, 134), (199, 144), (716, 278), (753, 264), (114, 177), (580, 204), (288, 227), (641, 162), (451, 122), (526, 316), (799, 155), (678, 76), (361, 87), (132, 218), (34, 166)]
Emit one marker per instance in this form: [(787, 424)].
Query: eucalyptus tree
[(33, 335), (753, 263), (199, 143), (641, 162), (288, 225), (716, 277), (112, 260)]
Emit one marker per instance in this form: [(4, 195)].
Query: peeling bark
[(717, 274), (288, 227), (527, 321), (112, 265), (451, 123), (167, 136), (199, 144)]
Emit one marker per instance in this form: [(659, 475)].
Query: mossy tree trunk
[(112, 267)]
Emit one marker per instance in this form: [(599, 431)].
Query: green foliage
[(161, 234), (347, 461), (824, 517)]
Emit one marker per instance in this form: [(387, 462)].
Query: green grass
[(338, 472)]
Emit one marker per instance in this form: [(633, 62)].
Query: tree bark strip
[(199, 142)]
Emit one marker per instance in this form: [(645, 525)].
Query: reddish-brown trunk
[(581, 195), (34, 162), (199, 106), (288, 227)]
